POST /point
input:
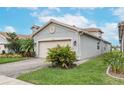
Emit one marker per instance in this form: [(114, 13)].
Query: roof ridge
[(66, 25), (73, 26)]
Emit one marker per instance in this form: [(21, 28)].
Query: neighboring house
[(116, 47), (94, 31), (121, 35), (85, 42), (3, 41)]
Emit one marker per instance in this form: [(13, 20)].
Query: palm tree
[(27, 46)]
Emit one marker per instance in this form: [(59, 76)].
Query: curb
[(107, 72)]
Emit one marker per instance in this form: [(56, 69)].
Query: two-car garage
[(45, 45)]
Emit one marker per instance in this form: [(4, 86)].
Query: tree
[(13, 44), (27, 46)]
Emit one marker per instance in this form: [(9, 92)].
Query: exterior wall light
[(75, 43)]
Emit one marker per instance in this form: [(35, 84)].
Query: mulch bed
[(120, 75)]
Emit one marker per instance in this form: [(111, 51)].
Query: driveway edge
[(4, 80)]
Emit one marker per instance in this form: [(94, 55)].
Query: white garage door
[(45, 45)]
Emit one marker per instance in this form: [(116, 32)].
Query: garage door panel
[(45, 45)]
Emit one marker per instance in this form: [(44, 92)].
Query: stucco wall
[(107, 47), (3, 41), (60, 33), (89, 47)]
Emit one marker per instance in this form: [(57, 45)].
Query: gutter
[(83, 32)]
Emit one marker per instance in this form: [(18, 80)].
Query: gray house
[(121, 35), (4, 41), (86, 42)]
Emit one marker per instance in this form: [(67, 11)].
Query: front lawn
[(91, 72), (9, 60)]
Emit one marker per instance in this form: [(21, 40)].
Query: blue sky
[(20, 20)]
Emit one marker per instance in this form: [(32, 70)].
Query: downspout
[(100, 47), (79, 43), (121, 36), (122, 42)]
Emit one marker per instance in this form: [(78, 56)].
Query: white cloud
[(42, 13), (45, 12), (116, 37), (77, 20), (84, 8), (119, 12), (29, 8), (110, 31), (9, 29), (54, 8), (32, 8)]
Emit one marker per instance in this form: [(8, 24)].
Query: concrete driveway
[(17, 68), (10, 71)]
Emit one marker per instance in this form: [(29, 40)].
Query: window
[(98, 45), (104, 48)]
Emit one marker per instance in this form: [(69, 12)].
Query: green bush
[(61, 57), (115, 60), (27, 47)]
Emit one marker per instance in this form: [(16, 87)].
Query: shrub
[(27, 54), (9, 55), (115, 60), (61, 57), (3, 52)]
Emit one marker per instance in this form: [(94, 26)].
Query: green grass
[(10, 60), (92, 72)]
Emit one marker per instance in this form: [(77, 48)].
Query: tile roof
[(93, 30), (66, 25), (19, 35), (24, 36), (77, 29)]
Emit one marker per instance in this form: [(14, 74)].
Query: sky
[(21, 19)]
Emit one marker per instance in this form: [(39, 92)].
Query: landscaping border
[(107, 72)]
